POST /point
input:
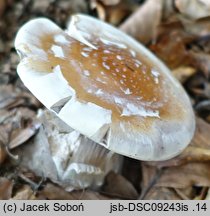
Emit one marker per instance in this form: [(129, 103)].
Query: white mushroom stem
[(80, 162), (67, 157)]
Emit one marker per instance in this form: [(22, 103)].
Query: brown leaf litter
[(113, 12), (54, 192), (6, 187), (116, 185), (142, 24)]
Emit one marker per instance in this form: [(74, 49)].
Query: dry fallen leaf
[(162, 193), (118, 186), (193, 9), (115, 14), (181, 179), (5, 129), (171, 48), (16, 127), (5, 115), (54, 192), (6, 187), (113, 11), (143, 24), (100, 8), (201, 61), (3, 154), (182, 73), (150, 174), (188, 175), (199, 27), (12, 97), (186, 193), (8, 95), (24, 193), (21, 135)]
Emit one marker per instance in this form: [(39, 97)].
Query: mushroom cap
[(107, 86)]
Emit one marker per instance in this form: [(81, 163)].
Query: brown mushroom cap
[(107, 86)]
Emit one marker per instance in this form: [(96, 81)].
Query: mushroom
[(107, 86)]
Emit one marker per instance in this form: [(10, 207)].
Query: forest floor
[(177, 32)]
